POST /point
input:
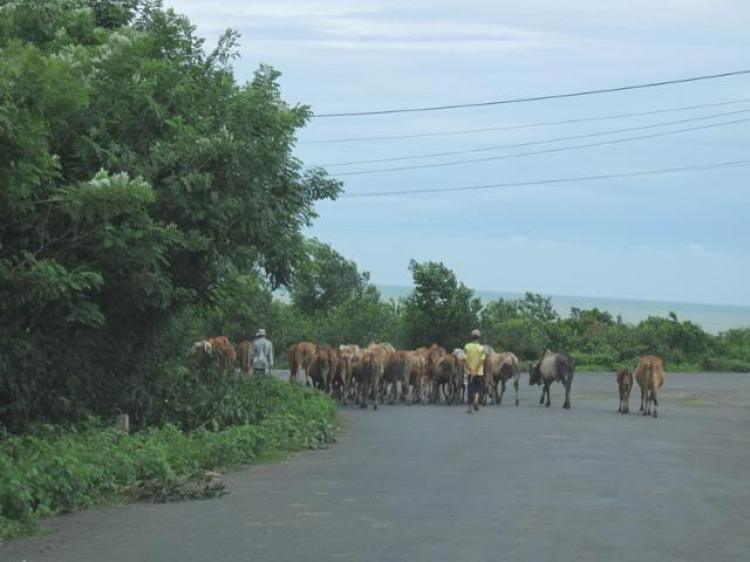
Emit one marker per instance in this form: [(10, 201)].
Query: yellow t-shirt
[(475, 358)]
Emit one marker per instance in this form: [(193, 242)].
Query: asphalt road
[(433, 483)]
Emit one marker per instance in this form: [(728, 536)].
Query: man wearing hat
[(474, 358), (262, 358)]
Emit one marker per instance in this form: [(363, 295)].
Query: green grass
[(51, 471)]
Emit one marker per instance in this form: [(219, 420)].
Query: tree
[(325, 279), (136, 177), (508, 325), (440, 309)]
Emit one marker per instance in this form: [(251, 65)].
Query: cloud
[(277, 9)]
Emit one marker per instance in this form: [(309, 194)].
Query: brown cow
[(246, 350), (414, 381), (369, 371), (227, 356), (384, 346), (323, 367), (499, 368), (431, 356), (341, 377), (218, 348), (448, 375), (218, 341), (300, 355), (625, 384), (352, 350), (650, 377), (392, 375)]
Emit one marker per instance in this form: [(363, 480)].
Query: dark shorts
[(476, 386)]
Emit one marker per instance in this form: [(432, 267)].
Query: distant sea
[(714, 318)]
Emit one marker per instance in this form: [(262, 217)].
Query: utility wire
[(699, 168), (535, 152), (538, 98), (532, 143), (525, 126)]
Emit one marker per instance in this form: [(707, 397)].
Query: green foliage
[(325, 279), (361, 319), (440, 309), (51, 471), (138, 179)]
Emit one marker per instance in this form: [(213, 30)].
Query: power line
[(532, 143), (536, 152), (699, 168), (537, 98), (525, 126)]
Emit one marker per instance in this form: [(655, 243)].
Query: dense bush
[(51, 470), (137, 176)]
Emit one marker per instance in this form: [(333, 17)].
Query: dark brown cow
[(300, 355), (650, 377), (553, 367), (625, 385)]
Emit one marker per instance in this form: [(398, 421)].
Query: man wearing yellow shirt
[(474, 352)]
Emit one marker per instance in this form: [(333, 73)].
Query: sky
[(678, 237)]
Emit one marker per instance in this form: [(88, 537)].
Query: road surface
[(433, 483)]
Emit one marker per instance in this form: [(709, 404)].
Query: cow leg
[(502, 392), (362, 395), (656, 402), (449, 395), (567, 394), (546, 388), (643, 400), (541, 400)]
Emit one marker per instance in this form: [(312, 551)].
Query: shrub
[(51, 471)]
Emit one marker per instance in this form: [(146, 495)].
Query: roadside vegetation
[(148, 200)]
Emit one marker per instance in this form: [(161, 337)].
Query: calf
[(553, 367), (650, 377), (625, 384)]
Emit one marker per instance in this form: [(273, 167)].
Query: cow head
[(535, 374)]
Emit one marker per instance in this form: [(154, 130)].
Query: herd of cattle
[(379, 373)]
